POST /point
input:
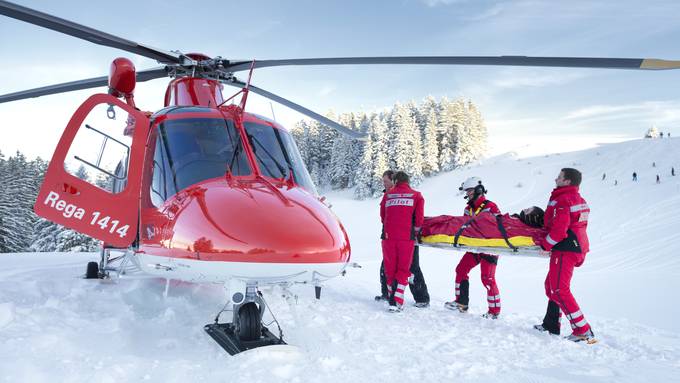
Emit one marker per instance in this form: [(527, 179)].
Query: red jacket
[(481, 204), (401, 212), (566, 220), (477, 207)]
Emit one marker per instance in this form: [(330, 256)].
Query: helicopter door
[(92, 184)]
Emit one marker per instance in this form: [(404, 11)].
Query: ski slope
[(55, 326)]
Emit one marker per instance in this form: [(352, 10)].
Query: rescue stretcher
[(501, 235)]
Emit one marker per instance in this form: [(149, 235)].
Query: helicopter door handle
[(66, 188)]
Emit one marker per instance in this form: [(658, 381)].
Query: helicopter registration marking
[(69, 210)]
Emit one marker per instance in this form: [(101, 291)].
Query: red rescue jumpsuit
[(401, 212), (566, 220), (488, 263)]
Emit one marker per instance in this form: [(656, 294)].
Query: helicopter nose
[(253, 223)]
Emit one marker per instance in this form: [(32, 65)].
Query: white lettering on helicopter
[(68, 210), (71, 210)]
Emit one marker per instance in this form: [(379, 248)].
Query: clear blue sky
[(514, 101)]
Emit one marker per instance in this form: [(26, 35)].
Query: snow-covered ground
[(55, 326)]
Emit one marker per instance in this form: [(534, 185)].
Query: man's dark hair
[(401, 177), (388, 173), (534, 218), (572, 175)]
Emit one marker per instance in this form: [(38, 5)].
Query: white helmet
[(470, 183)]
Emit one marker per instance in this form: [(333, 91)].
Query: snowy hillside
[(55, 326)]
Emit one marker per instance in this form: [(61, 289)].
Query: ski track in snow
[(56, 326)]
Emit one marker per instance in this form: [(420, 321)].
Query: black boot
[(464, 297), (551, 321), (390, 299), (417, 285), (383, 285)]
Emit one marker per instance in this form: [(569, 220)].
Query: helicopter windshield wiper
[(276, 162), (237, 151)]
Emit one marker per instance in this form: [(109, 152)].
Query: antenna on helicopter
[(271, 106)]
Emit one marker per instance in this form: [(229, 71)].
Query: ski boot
[(395, 308), (453, 305), (490, 316), (541, 328), (587, 337), (421, 305)]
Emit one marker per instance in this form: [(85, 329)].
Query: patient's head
[(532, 216)]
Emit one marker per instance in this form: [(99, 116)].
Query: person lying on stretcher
[(486, 230)]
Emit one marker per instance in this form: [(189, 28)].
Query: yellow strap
[(476, 212), (517, 241)]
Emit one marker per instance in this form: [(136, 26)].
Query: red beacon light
[(122, 80)]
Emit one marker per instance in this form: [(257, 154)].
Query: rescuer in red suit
[(416, 283), (566, 220), (477, 203), (401, 212)]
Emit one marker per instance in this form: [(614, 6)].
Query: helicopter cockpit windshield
[(193, 150)]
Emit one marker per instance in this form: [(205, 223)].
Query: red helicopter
[(201, 190)]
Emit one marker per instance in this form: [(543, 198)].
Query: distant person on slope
[(634, 176), (417, 281), (477, 203), (401, 212), (673, 172), (658, 180), (566, 219)]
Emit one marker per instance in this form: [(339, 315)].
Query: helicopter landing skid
[(225, 335)]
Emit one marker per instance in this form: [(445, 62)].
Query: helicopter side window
[(277, 154), (270, 154), (100, 150), (300, 172), (161, 171), (189, 151)]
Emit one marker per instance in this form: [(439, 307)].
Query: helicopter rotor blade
[(565, 62), (95, 82), (299, 108), (86, 33)]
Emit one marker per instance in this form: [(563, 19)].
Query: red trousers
[(488, 274), (397, 258), (558, 290)]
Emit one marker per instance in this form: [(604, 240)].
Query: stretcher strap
[(501, 228), (460, 231)]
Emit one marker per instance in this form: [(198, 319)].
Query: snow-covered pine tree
[(300, 133), (45, 236), (364, 172), (45, 233), (4, 208), (69, 240), (452, 117), (104, 181), (323, 147), (478, 132), (430, 120), (16, 203), (340, 167), (471, 135), (82, 173), (360, 123), (381, 151), (407, 143)]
